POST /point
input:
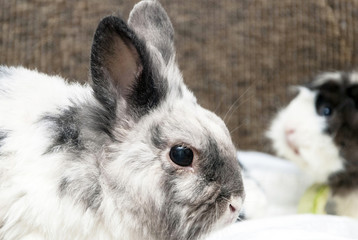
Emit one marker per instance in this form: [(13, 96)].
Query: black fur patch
[(345, 181), (341, 97)]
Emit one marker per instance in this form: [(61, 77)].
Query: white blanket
[(273, 189), (273, 186), (295, 227)]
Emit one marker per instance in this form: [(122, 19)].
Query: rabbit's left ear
[(121, 69), (151, 23)]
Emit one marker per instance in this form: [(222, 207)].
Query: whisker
[(237, 107), (235, 102), (242, 124), (219, 104)]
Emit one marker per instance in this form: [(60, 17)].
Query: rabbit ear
[(150, 21), (120, 68)]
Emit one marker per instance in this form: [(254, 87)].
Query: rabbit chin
[(297, 134)]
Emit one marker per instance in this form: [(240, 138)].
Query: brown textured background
[(242, 54)]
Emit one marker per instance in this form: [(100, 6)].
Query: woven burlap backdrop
[(237, 56)]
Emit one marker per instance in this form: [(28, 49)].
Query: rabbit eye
[(325, 111), (181, 155)]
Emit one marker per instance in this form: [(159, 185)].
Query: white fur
[(47, 192), (318, 154), (29, 195), (29, 202)]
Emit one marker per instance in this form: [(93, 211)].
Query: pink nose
[(289, 136), (289, 131), (235, 205)]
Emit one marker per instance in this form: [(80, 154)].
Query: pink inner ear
[(123, 65)]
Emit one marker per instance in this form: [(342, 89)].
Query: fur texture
[(92, 162), (318, 130)]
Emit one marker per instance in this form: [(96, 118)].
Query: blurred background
[(238, 57)]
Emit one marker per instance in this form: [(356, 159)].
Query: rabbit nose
[(233, 209), (235, 205)]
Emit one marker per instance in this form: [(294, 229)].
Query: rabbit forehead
[(183, 121)]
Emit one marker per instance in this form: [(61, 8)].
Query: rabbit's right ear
[(121, 71), (152, 24)]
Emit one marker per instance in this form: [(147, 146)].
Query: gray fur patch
[(150, 22), (86, 190), (331, 207), (4, 72), (222, 169), (221, 174), (157, 138), (81, 132), (3, 136), (63, 185), (180, 91), (66, 128), (79, 126)]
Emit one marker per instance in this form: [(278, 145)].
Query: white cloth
[(295, 227), (279, 185)]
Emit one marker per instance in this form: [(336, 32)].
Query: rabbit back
[(31, 170)]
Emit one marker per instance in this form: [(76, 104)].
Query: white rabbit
[(131, 156), (318, 130)]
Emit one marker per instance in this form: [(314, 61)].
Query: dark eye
[(325, 111), (181, 155)]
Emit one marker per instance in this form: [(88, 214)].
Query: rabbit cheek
[(220, 169)]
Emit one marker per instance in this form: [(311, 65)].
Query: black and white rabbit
[(318, 130), (131, 156)]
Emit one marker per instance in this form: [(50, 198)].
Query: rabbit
[(318, 130), (132, 155)]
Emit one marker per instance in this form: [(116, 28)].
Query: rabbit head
[(171, 165)]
